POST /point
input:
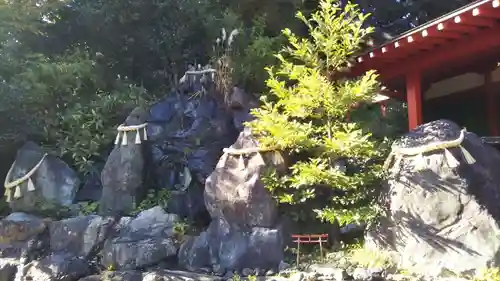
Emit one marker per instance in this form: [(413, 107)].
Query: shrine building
[(447, 68)]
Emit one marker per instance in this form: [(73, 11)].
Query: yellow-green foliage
[(73, 105), (305, 113), (488, 274), (153, 198), (88, 208), (372, 259)]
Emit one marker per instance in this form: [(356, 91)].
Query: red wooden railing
[(309, 239)]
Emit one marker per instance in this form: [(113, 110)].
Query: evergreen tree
[(304, 115)]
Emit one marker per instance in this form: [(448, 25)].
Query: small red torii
[(309, 239)]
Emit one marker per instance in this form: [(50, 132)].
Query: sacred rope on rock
[(123, 130), (210, 71), (418, 160), (16, 183), (241, 153)]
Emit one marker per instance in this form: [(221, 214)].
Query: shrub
[(304, 116)]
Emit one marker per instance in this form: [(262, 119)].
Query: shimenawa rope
[(123, 130), (16, 183), (398, 153)]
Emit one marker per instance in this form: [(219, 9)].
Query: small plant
[(181, 229), (50, 209), (223, 61), (488, 274), (153, 198), (75, 107), (252, 278), (372, 259), (88, 208), (236, 277)]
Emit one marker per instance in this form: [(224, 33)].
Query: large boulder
[(235, 192), (244, 231), (51, 182), (81, 236), (188, 130), (442, 201), (21, 237), (122, 176), (57, 267), (142, 241)]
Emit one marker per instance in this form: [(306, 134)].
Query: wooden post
[(383, 108), (491, 104), (321, 247), (414, 99), (298, 252)]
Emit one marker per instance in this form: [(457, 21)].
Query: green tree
[(64, 101), (304, 115), (150, 42)]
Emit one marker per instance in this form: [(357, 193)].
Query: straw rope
[(15, 184), (123, 130), (398, 153)]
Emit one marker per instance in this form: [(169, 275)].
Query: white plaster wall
[(496, 75), (459, 83), (455, 84)]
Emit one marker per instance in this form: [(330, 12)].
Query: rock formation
[(442, 201), (37, 180), (188, 130), (70, 249), (122, 176), (244, 231)]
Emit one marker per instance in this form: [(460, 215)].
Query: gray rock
[(270, 272), (241, 103), (57, 267), (188, 130), (8, 269), (443, 217), (328, 271), (362, 274), (137, 253), (54, 181), (80, 235), (247, 272), (218, 270), (400, 277), (283, 266), (174, 275), (21, 236), (233, 249), (115, 275), (122, 175), (229, 275), (194, 252), (142, 241), (244, 232), (91, 189), (250, 204)]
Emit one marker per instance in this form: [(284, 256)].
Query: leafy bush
[(488, 274), (373, 259), (255, 51), (154, 198), (74, 109), (304, 115)]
